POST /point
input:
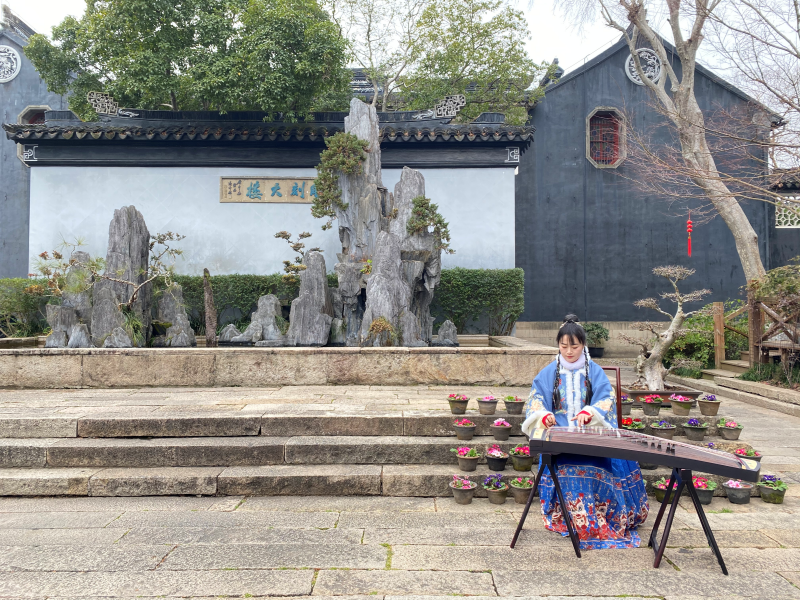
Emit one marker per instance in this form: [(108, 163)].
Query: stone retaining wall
[(762, 389), (260, 367)]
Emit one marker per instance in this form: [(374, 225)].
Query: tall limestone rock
[(312, 311), (172, 310)]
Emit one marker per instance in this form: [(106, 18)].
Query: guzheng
[(632, 445)]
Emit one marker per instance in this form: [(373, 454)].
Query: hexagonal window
[(32, 115), (605, 138)]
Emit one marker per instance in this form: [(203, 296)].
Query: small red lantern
[(689, 231)]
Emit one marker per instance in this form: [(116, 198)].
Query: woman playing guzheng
[(606, 497)]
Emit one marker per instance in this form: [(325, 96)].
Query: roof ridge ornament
[(651, 65)]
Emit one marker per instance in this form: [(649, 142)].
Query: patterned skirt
[(606, 498)]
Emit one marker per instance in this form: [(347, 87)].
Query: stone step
[(711, 373), (737, 366)]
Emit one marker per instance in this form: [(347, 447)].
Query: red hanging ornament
[(689, 231)]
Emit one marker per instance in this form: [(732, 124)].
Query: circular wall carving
[(10, 63), (651, 65)]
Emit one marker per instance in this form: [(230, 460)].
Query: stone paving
[(367, 547)]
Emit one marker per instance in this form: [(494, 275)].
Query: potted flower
[(651, 404), (748, 453), (738, 492), (501, 429), (596, 336), (514, 405), (632, 424), (463, 489), (729, 429), (695, 430), (487, 405), (663, 429), (465, 429), (458, 403), (709, 405), (496, 458), (495, 488), (680, 405), (704, 488), (772, 489), (660, 488), (521, 488), (521, 457), (627, 403), (467, 458)]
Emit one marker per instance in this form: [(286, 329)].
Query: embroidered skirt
[(606, 498)]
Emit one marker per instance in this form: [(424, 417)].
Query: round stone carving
[(651, 65), (10, 64)]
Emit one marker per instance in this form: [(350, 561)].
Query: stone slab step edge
[(278, 480), (762, 389), (726, 392)]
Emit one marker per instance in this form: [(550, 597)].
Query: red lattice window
[(36, 118), (604, 138)]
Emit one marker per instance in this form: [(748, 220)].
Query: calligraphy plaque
[(293, 190)]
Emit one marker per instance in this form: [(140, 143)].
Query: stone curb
[(726, 392), (760, 389)]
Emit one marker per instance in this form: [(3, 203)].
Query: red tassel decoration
[(689, 231)]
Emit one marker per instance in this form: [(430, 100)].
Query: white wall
[(70, 202)]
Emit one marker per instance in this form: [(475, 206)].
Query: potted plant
[(496, 458), (463, 489), (632, 424), (772, 489), (521, 458), (680, 405), (704, 488), (458, 403), (467, 458), (660, 488), (521, 488), (748, 453), (627, 403), (695, 430), (729, 429), (501, 429), (663, 429), (465, 429), (487, 405), (738, 492), (596, 336), (651, 404), (495, 488), (709, 405), (514, 405)]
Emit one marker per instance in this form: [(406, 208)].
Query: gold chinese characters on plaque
[(296, 190)]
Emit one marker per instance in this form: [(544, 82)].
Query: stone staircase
[(303, 450)]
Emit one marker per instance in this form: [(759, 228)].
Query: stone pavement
[(367, 547)]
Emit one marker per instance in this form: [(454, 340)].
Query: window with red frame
[(604, 138), (36, 118)]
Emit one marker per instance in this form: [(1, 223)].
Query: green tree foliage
[(425, 214), (270, 55), (22, 303), (344, 153)]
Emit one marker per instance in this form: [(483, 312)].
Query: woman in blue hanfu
[(606, 497)]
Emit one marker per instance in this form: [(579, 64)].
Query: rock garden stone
[(57, 339), (447, 335), (61, 318), (79, 278), (251, 335), (119, 338), (228, 333), (106, 315), (312, 311), (79, 337), (266, 314), (172, 314)]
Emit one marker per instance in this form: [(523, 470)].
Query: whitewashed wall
[(79, 202)]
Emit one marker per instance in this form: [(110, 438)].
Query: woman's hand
[(582, 419), (549, 421)]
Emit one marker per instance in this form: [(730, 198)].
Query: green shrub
[(22, 307), (777, 374), (697, 340), (596, 334), (464, 295)]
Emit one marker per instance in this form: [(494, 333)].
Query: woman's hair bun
[(572, 319)]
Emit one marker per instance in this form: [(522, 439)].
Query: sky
[(551, 35)]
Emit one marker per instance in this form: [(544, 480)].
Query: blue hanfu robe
[(606, 497)]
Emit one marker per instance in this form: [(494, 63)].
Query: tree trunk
[(652, 367), (211, 313)]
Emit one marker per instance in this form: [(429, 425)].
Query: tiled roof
[(268, 132)]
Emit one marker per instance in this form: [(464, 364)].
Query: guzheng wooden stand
[(683, 479)]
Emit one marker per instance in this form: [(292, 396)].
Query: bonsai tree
[(650, 362), (596, 334)]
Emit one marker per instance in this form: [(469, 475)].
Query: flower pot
[(663, 432), (648, 466), (463, 495), (487, 407), (681, 408), (755, 458), (738, 495), (467, 464), (464, 433), (496, 464), (626, 408), (651, 409), (521, 494), (770, 495), (596, 352), (522, 463), (497, 496), (661, 494), (730, 433), (705, 496), (514, 408), (708, 408), (696, 434), (458, 407), (500, 433)]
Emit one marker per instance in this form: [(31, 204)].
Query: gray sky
[(551, 36)]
